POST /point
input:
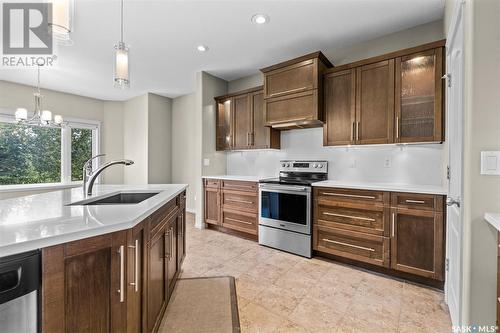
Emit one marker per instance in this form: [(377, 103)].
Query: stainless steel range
[(285, 206)]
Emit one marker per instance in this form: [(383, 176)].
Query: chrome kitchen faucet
[(89, 176)]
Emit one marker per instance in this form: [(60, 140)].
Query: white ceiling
[(163, 36)]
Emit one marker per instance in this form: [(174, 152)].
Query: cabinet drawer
[(239, 185), (247, 201), (350, 195), (291, 108), (241, 221), (417, 201), (161, 214), (368, 219), (291, 79), (353, 245), (214, 183)]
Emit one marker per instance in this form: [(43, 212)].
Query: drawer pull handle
[(415, 201), (350, 245), (349, 195), (393, 230), (287, 91), (240, 201), (239, 221), (350, 217)]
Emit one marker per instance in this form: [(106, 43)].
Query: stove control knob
[(283, 165), (320, 166), (288, 165), (315, 165)]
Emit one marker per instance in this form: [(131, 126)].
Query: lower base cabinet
[(402, 232), (117, 282)]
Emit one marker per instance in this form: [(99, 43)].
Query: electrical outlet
[(387, 162), (206, 162)]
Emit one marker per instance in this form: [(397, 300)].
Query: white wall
[(410, 164), (159, 139), (414, 164), (184, 161), (112, 141), (135, 140), (481, 132)]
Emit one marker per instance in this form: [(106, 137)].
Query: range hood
[(296, 123)]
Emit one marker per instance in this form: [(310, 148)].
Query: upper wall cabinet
[(419, 97), (293, 92), (240, 122), (393, 98)]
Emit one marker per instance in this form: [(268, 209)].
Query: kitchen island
[(105, 268)]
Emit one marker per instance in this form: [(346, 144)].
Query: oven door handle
[(284, 188)]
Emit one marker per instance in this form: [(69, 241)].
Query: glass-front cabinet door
[(419, 100), (224, 117)]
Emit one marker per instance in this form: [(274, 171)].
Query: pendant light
[(121, 78), (62, 21), (40, 117)]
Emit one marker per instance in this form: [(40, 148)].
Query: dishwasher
[(20, 295)]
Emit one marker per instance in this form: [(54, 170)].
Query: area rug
[(205, 304)]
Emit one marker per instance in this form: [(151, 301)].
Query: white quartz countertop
[(392, 187), (41, 220), (236, 177), (493, 219)]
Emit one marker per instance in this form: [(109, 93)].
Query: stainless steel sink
[(122, 198)]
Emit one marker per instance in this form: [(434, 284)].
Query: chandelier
[(40, 117)]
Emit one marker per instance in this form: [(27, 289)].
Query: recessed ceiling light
[(260, 19), (202, 48)]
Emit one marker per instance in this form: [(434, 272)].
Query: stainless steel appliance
[(20, 293), (285, 206)]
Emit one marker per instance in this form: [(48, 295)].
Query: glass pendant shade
[(62, 21), (58, 119), (21, 114), (121, 79), (46, 116)]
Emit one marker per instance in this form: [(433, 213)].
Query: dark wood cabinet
[(84, 286), (117, 282), (402, 232), (293, 93), (135, 278), (212, 201), (417, 237), (392, 98), (375, 103), (232, 206), (241, 122), (340, 108), (419, 97), (157, 286)]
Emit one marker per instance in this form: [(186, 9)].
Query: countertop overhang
[(493, 219), (41, 220)]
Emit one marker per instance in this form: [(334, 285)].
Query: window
[(38, 155)]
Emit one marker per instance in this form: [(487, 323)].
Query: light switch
[(490, 162), (206, 162)]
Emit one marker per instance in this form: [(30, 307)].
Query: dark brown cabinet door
[(224, 135), (340, 108), (135, 281), (419, 97), (80, 284), (156, 279), (417, 242), (171, 252), (212, 205), (375, 103), (260, 137), (241, 122), (181, 237), (291, 79)]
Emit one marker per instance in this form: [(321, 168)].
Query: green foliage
[(81, 151), (29, 154), (32, 154)]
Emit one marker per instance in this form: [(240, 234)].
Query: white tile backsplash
[(409, 164)]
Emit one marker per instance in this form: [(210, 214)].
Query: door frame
[(456, 33)]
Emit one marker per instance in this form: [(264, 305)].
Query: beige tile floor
[(280, 292)]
